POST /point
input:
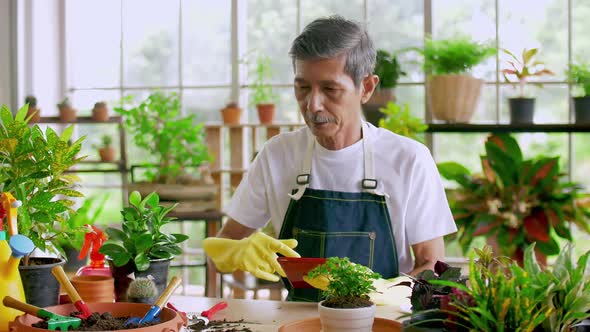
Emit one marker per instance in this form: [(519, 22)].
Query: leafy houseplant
[(141, 243), (105, 149), (399, 120), (347, 294), (515, 201), (388, 69), (263, 96), (452, 92), (579, 74), (34, 164), (522, 108)]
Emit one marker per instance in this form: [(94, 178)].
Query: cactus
[(142, 288)]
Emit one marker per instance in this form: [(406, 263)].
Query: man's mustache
[(318, 117)]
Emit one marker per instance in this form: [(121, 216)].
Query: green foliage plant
[(524, 67), (519, 201), (388, 69), (106, 141), (399, 120), (453, 56), (579, 74), (33, 171), (142, 288), (349, 284), (262, 91), (174, 142), (141, 238)]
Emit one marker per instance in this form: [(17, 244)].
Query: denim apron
[(343, 224)]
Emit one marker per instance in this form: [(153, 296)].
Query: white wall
[(5, 53)]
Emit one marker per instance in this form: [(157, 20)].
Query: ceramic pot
[(342, 320), (582, 109), (266, 113), (107, 154), (67, 114), (522, 110), (170, 321), (41, 287), (95, 289)]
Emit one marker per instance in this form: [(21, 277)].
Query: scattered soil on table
[(220, 326), (98, 322)]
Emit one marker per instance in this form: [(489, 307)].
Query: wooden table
[(263, 315)]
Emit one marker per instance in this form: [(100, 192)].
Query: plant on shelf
[(522, 69), (515, 201), (34, 113), (100, 112), (399, 120), (66, 112), (388, 69), (579, 75), (106, 151), (263, 96), (141, 242), (347, 293), (452, 92)]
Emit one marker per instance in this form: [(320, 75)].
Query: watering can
[(11, 251)]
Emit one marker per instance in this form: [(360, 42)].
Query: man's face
[(328, 99)]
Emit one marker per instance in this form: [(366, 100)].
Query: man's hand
[(256, 254)]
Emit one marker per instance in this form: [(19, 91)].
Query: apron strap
[(303, 179), (369, 184)]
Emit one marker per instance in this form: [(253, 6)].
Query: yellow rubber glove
[(256, 254)]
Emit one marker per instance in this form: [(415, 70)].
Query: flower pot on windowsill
[(453, 98), (354, 319), (266, 113), (522, 110), (107, 154), (231, 114), (100, 112), (378, 100), (67, 114), (582, 109)]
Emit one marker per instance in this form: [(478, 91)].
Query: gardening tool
[(157, 307), (181, 313), (60, 275), (93, 240), (206, 315), (54, 321)]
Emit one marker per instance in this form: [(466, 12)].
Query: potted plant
[(100, 112), (347, 304), (176, 147), (452, 92), (579, 74), (263, 96), (34, 164), (514, 201), (231, 114), (106, 151), (142, 290), (34, 113), (522, 108), (141, 247), (389, 71), (399, 119), (66, 112)]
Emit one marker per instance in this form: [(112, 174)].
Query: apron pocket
[(359, 247)]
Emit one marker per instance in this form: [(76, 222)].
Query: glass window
[(312, 9)]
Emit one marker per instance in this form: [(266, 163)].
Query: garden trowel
[(157, 307)]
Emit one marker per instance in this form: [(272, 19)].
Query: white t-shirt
[(405, 170)]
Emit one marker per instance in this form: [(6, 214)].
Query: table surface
[(263, 315)]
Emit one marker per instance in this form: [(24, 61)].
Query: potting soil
[(220, 326), (98, 322)]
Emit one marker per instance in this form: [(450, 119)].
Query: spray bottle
[(11, 252), (93, 240)]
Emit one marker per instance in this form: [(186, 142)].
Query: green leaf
[(67, 133), (549, 248), (21, 114), (152, 199), (180, 237), (142, 262), (135, 198), (116, 234), (454, 171), (115, 252), (143, 242), (530, 261), (6, 116), (68, 192)]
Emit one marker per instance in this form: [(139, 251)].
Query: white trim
[(62, 50)]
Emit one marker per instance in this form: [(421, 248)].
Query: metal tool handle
[(218, 307), (13, 303), (61, 276), (174, 283)]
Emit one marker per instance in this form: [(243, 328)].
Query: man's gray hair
[(333, 36)]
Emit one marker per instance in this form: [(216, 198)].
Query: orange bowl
[(295, 268)]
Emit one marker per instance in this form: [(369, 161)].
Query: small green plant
[(106, 141), (142, 288), (524, 68), (579, 74), (349, 284), (388, 69), (174, 142), (65, 103), (34, 164), (141, 237), (31, 100), (399, 120), (453, 56), (262, 91)]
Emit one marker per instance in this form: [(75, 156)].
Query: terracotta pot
[(107, 154), (231, 115), (266, 113), (170, 321), (67, 114), (100, 113), (357, 319), (36, 114), (95, 289)]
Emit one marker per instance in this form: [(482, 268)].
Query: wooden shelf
[(80, 119), (507, 128)]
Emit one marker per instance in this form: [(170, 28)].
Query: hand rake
[(54, 321)]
